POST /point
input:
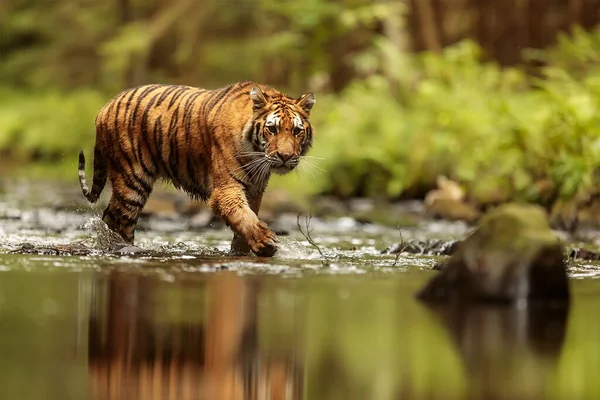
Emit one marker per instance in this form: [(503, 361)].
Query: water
[(184, 321)]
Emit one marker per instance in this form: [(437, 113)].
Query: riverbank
[(38, 213)]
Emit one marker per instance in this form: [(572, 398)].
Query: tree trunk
[(575, 7), (135, 72), (427, 24)]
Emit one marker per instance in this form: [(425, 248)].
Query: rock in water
[(513, 255), (448, 202)]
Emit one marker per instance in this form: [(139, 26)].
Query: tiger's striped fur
[(218, 145)]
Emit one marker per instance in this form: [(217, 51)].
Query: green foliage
[(495, 130), (47, 125), (387, 122), (113, 45), (577, 52)]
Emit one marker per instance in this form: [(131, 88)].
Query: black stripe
[(132, 93), (131, 131), (255, 135), (231, 99), (177, 95), (124, 220), (238, 95), (191, 170), (263, 115), (147, 170), (187, 110), (166, 94), (306, 134), (159, 136), (108, 214), (187, 117), (117, 140), (124, 172), (124, 200), (139, 99), (109, 107), (205, 177), (204, 135), (128, 222), (303, 114), (172, 136), (244, 184), (81, 161), (149, 141), (144, 133), (189, 103), (308, 138), (132, 181), (115, 101), (220, 93), (116, 123), (135, 182), (202, 194), (218, 146), (208, 101)]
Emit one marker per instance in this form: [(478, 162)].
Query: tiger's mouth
[(282, 166), (283, 169)]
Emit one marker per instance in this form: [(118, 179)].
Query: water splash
[(290, 249), (101, 237)]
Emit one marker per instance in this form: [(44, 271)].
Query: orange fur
[(218, 145)]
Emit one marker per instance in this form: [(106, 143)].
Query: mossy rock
[(513, 255)]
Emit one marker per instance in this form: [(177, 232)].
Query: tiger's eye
[(297, 131), (272, 129)]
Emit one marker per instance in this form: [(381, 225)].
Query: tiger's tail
[(100, 175)]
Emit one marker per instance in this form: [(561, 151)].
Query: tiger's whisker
[(249, 164), (311, 165), (264, 174), (309, 172), (257, 170), (312, 157), (252, 171), (312, 170)]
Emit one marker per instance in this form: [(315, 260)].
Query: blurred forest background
[(502, 96)]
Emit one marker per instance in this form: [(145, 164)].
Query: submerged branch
[(306, 232), (401, 247)]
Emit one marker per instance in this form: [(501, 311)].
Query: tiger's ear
[(307, 101), (259, 100)]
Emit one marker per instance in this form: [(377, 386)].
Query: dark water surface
[(186, 322), (144, 333)]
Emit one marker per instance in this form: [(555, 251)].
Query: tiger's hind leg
[(127, 200)]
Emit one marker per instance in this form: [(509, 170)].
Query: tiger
[(219, 146)]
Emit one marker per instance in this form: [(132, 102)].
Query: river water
[(181, 320)]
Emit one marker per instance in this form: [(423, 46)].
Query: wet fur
[(207, 143)]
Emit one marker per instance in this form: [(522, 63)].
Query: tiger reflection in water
[(133, 356)]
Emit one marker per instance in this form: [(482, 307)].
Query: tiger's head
[(279, 132)]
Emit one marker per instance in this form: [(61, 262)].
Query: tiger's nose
[(284, 157)]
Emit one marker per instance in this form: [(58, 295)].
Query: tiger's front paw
[(262, 240)]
